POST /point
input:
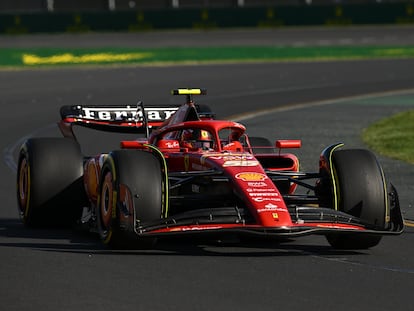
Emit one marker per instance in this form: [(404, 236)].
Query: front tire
[(361, 192), (49, 182), (131, 194)]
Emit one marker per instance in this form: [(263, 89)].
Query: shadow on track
[(14, 234)]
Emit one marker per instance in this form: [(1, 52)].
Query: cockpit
[(204, 136)]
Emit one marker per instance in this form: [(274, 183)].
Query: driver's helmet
[(196, 139), (205, 140)]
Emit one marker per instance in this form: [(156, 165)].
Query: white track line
[(259, 113)]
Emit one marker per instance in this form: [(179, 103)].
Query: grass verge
[(393, 137)]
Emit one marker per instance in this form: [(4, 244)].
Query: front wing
[(305, 221)]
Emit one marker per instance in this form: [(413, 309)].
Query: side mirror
[(288, 143)]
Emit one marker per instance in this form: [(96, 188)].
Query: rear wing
[(132, 118), (115, 118)]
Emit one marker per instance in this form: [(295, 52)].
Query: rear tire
[(361, 192), (50, 188), (130, 194)]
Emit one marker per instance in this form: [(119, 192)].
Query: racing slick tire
[(50, 188), (131, 194), (361, 192), (261, 142)]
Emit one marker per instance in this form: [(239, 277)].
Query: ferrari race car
[(186, 173)]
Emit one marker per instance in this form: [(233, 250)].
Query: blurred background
[(113, 5), (31, 16)]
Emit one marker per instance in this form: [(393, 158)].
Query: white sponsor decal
[(198, 228), (257, 184), (229, 157), (173, 144), (237, 157), (272, 208), (240, 163), (128, 113), (260, 190), (272, 194), (261, 199)]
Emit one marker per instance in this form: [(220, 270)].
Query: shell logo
[(251, 176)]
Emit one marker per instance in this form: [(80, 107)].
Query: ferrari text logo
[(128, 113)]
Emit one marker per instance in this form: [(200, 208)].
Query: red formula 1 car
[(190, 174)]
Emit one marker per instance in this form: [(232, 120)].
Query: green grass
[(393, 137), (56, 56)]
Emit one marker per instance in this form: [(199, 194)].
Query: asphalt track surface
[(320, 103)]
